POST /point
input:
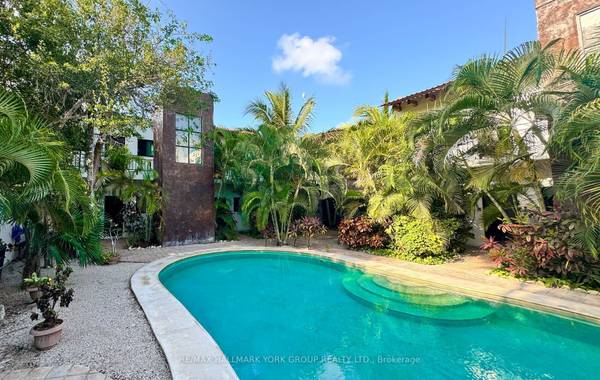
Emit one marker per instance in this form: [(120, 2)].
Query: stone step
[(474, 312), (406, 287), (412, 296)]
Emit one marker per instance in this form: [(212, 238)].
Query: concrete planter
[(48, 338), (35, 293)]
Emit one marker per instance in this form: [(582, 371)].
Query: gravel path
[(105, 329)]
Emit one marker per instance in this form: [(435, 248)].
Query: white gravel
[(105, 328)]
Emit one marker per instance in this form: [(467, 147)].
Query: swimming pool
[(279, 315)]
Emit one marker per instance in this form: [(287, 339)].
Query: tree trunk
[(94, 164), (289, 221)]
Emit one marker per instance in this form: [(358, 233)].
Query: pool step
[(419, 295), (470, 312), (405, 287)]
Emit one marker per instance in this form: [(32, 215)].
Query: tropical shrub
[(54, 293), (361, 232), (309, 227), (547, 247), (225, 223), (139, 228), (40, 191), (377, 153), (456, 231), (108, 257), (416, 237)]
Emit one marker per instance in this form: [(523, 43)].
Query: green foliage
[(456, 231), (107, 62), (140, 228), (106, 258), (485, 105), (425, 260), (276, 169), (417, 237), (378, 154), (38, 190), (576, 141), (35, 281), (225, 223), (98, 68)]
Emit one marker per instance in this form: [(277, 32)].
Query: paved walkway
[(65, 372)]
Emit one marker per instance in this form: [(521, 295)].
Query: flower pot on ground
[(33, 284), (46, 338), (54, 293)]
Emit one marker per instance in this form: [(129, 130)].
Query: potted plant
[(33, 284), (46, 334)]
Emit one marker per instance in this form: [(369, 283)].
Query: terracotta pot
[(34, 293), (48, 338)]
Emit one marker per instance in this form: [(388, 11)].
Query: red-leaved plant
[(546, 247), (362, 232), (308, 227)]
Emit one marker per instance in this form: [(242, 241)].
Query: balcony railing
[(141, 166)]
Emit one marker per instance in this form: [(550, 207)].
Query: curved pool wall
[(278, 315)]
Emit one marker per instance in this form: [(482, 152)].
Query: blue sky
[(344, 53)]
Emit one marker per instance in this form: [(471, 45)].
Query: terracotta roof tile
[(417, 95)]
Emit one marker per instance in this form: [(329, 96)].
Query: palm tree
[(40, 191), (378, 156), (284, 176), (576, 136), (496, 109)]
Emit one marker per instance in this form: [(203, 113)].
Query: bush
[(361, 232), (456, 232), (225, 222), (416, 237), (308, 227), (426, 260), (139, 228), (107, 258), (547, 246)]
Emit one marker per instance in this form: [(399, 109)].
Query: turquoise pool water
[(279, 315)]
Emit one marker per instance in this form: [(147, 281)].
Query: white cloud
[(312, 57)]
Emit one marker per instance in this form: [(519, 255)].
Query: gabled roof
[(432, 93)]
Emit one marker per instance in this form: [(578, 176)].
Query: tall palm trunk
[(289, 220), (274, 213)]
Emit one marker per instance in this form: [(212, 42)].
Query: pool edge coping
[(150, 293), (191, 352)]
